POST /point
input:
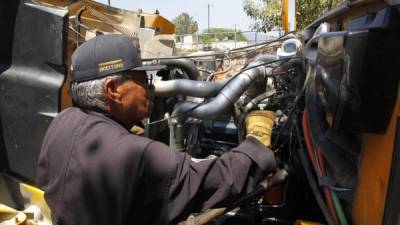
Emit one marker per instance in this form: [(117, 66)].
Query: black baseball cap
[(105, 55)]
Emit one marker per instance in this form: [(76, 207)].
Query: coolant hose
[(227, 96), (187, 87)]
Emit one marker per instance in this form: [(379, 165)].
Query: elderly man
[(94, 171)]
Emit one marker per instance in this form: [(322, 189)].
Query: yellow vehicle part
[(10, 216), (162, 25), (35, 209), (96, 17), (115, 15), (374, 173), (304, 222), (285, 15), (35, 197)]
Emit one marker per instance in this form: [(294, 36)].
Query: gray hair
[(90, 94)]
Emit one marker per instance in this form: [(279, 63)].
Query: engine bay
[(322, 104), (332, 86)]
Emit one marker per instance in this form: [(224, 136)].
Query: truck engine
[(332, 86)]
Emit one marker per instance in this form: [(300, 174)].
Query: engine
[(327, 98), (203, 114)]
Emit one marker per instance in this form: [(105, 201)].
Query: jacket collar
[(106, 115)]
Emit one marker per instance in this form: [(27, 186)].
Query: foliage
[(267, 13), (220, 34), (185, 24)]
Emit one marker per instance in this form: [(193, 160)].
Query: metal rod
[(212, 214), (208, 16)]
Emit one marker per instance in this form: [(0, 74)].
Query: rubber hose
[(317, 167), (311, 180)]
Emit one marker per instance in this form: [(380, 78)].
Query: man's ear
[(111, 91)]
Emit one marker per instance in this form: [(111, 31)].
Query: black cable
[(290, 114), (282, 38), (311, 180), (296, 101)]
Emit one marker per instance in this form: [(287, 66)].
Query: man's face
[(135, 97)]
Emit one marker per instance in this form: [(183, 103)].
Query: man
[(94, 171)]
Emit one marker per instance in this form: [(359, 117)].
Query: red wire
[(321, 160), (309, 145), (317, 166)]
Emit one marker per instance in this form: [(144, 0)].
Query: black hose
[(78, 22), (318, 123), (186, 65), (311, 179), (337, 157)]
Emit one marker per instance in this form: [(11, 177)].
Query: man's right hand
[(259, 125)]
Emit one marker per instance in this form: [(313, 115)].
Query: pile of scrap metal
[(333, 86)]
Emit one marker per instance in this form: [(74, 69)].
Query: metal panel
[(392, 208), (356, 72), (8, 12), (374, 171), (29, 89)]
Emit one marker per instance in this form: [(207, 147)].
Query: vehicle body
[(336, 97)]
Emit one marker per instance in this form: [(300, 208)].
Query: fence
[(222, 40)]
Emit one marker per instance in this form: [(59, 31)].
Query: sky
[(223, 13)]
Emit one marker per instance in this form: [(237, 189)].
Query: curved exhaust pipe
[(187, 88), (229, 94)]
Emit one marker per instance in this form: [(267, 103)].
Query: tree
[(185, 24), (215, 34), (267, 13)]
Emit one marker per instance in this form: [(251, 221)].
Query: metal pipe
[(187, 65), (229, 94), (187, 88), (266, 57)]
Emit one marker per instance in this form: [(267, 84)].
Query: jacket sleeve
[(194, 185)]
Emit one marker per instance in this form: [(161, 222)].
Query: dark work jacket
[(94, 171)]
